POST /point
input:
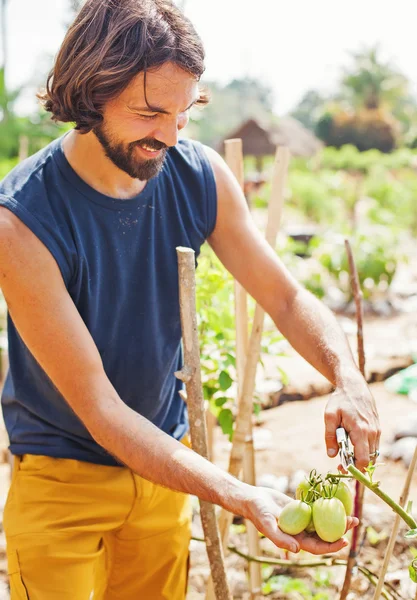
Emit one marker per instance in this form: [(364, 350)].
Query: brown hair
[(108, 44)]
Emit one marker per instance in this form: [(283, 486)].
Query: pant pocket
[(18, 589)]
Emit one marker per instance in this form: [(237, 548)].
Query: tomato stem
[(374, 487)]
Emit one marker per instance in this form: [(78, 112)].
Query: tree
[(371, 83), (371, 107), (309, 108)]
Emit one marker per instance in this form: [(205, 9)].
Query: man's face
[(136, 130)]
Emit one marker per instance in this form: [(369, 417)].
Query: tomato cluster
[(321, 507)]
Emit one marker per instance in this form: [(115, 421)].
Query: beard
[(125, 157)]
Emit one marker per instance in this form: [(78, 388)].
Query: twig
[(234, 158), (359, 489), (245, 406), (191, 374), (394, 532), (374, 487), (357, 292)]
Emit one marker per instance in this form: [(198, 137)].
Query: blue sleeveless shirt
[(119, 264)]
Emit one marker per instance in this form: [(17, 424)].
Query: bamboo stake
[(234, 158), (394, 533), (191, 376), (244, 414), (359, 488)]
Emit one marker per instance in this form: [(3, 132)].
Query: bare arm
[(308, 324)]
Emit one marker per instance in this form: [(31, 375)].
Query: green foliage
[(216, 330), (6, 166), (376, 258), (217, 336), (315, 195), (308, 109), (371, 82), (412, 569), (289, 585)]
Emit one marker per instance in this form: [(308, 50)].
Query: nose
[(168, 132)]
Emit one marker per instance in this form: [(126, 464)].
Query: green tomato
[(344, 494), (329, 519), (295, 517), (302, 489)]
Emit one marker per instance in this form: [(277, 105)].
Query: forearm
[(312, 330), (156, 456)]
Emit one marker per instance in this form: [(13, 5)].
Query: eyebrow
[(158, 109)]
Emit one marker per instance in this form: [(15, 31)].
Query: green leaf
[(226, 421), (410, 535), (413, 551), (230, 360), (413, 572), (257, 409), (374, 536), (410, 507), (221, 401), (225, 381)]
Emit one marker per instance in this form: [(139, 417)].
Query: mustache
[(151, 142)]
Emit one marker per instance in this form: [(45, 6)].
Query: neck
[(86, 156)]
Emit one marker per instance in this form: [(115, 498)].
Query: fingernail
[(294, 549), (332, 452)]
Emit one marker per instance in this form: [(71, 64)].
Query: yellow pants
[(79, 531)]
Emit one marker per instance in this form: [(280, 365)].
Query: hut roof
[(262, 141)]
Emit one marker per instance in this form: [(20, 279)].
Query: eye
[(147, 117)]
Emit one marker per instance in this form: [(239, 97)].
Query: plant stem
[(374, 487)]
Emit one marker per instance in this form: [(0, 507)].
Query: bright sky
[(292, 46)]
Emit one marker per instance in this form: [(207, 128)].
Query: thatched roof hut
[(260, 141)]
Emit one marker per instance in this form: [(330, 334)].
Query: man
[(88, 231)]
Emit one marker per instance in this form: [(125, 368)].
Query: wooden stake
[(244, 414), (234, 158), (394, 532), (359, 488), (191, 375)]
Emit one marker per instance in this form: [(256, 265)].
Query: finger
[(359, 438), (373, 443), (351, 522), (315, 545), (331, 422), (269, 527)]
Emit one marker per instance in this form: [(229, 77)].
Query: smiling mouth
[(149, 148)]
